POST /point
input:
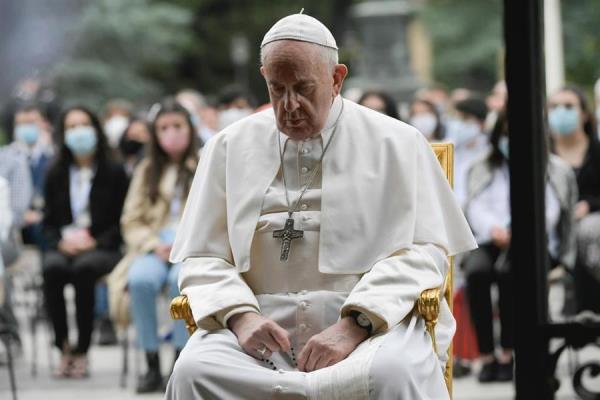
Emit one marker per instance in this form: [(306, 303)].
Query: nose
[(290, 102)]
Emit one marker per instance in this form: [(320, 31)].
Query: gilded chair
[(428, 303)]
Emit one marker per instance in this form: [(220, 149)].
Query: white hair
[(597, 89), (329, 56)]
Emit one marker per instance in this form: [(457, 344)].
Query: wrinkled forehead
[(301, 56)]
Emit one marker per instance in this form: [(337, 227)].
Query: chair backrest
[(445, 155)]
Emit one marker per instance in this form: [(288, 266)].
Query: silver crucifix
[(287, 234)]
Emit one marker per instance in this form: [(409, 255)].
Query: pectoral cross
[(287, 234)]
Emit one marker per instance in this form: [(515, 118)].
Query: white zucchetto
[(300, 27)]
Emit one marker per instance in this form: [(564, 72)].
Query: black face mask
[(130, 147)]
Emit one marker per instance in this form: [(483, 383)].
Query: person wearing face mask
[(574, 137), (425, 117), (465, 130), (30, 130), (116, 119), (488, 212), (152, 211), (84, 194), (133, 142)]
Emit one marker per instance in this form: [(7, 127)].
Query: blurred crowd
[(99, 194)]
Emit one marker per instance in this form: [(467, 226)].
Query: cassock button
[(304, 170), (304, 207), (304, 305), (305, 151), (302, 327)]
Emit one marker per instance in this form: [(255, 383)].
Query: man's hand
[(32, 217), (332, 345), (501, 237), (582, 208), (255, 332)]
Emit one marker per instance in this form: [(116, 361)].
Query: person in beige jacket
[(152, 211)]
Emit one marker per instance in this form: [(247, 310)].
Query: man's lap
[(398, 362)]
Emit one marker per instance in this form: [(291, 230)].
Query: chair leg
[(11, 367), (125, 365), (34, 349)]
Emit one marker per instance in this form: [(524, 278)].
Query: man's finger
[(258, 353), (313, 361), (303, 357), (281, 336), (268, 340), (324, 362)]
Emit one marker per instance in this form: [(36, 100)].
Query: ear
[(263, 71), (339, 74)]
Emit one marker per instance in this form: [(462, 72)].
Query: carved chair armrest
[(428, 307), (180, 309)]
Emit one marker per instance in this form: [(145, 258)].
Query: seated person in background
[(573, 129), (466, 130), (379, 101), (133, 142), (310, 230), (31, 130), (5, 224), (84, 195), (152, 210), (488, 212), (14, 169), (425, 117)]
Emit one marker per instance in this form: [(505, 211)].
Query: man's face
[(301, 87)]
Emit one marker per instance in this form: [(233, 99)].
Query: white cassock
[(378, 223)]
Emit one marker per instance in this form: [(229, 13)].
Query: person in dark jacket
[(84, 194)]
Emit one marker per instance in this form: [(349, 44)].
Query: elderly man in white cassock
[(310, 230)]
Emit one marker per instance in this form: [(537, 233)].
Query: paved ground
[(106, 362)]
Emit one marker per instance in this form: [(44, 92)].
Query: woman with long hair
[(573, 129), (488, 212), (153, 207), (84, 194)]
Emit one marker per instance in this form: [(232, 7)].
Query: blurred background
[(67, 51)]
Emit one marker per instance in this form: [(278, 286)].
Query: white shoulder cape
[(382, 190)]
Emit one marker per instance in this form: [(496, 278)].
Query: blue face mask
[(27, 133), (563, 121), (81, 140), (503, 146)]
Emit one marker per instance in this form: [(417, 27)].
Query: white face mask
[(461, 132), (425, 123), (228, 117), (114, 129)]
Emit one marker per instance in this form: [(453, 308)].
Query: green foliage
[(467, 41), (124, 49), (581, 41), (207, 65)]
